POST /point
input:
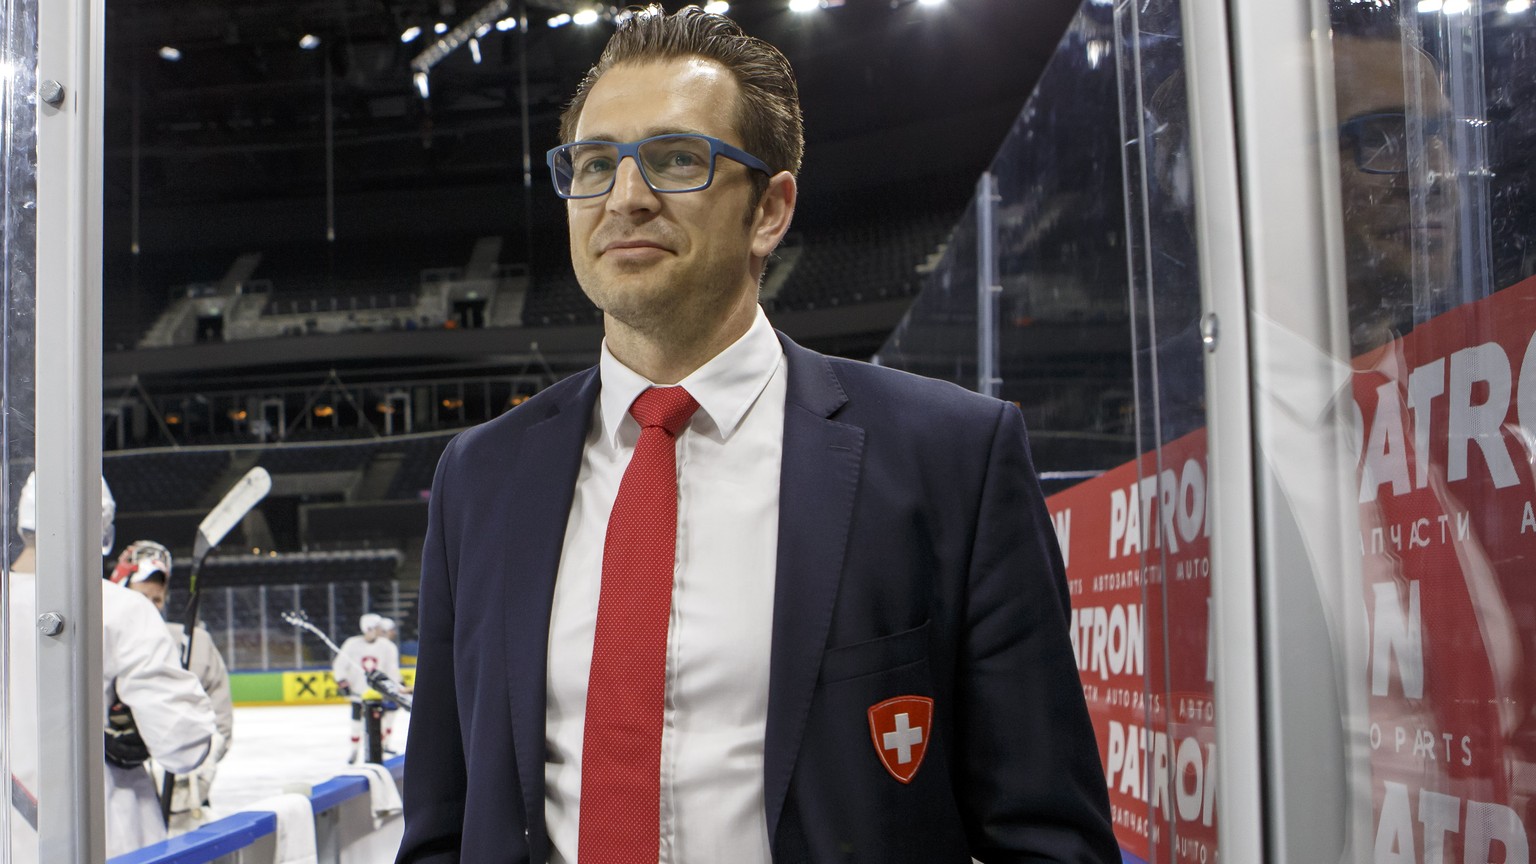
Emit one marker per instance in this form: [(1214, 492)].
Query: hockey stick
[(238, 501), (376, 679)]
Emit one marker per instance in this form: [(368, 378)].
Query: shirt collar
[(725, 387)]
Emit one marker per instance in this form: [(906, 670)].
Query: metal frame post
[(298, 641), (1267, 180), (71, 806), (266, 656), (1234, 591), (987, 288), (229, 627)]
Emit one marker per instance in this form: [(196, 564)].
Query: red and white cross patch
[(900, 728)]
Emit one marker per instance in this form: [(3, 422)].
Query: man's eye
[(594, 165), (683, 159)]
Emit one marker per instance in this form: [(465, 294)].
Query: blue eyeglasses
[(668, 163), (1380, 141)]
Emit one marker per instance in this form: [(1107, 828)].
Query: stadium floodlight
[(440, 28), (474, 50), (410, 33), (717, 7), (559, 20), (309, 41), (585, 18), (930, 2), (804, 5), (506, 24), (1515, 7), (489, 15), (169, 53), (422, 87), (1456, 7)]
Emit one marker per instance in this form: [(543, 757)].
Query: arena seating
[(414, 480), (162, 479), (865, 262), (294, 459), (558, 300)]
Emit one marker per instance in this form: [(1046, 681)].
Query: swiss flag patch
[(900, 728)]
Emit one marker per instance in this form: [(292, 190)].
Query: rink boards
[(288, 749), (294, 687)]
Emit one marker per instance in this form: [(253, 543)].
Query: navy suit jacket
[(915, 557)]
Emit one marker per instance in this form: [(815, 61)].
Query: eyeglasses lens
[(1382, 141), (675, 163)]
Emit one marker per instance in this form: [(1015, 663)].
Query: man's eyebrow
[(652, 132)]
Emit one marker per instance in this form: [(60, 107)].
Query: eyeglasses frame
[(717, 148), (1349, 133)]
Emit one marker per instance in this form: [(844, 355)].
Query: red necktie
[(621, 741)]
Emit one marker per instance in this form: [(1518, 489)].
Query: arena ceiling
[(224, 147)]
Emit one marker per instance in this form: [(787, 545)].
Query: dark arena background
[(1260, 275), (315, 265)]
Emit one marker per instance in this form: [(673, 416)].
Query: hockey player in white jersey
[(155, 708), (146, 567), (360, 655)]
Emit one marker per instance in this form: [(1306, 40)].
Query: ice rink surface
[(277, 747)]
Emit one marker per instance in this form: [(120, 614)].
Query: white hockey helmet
[(26, 512), (141, 560), (369, 621)]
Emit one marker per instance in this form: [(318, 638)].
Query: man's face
[(154, 590), (1391, 219), (643, 257)]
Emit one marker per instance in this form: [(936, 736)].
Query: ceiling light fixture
[(717, 7), (169, 53), (440, 28), (1515, 7), (410, 33), (474, 50), (804, 5), (585, 18), (930, 2), (559, 20), (492, 14), (309, 41), (506, 24), (422, 86)]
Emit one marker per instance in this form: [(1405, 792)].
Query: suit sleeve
[(1030, 785), (435, 776)]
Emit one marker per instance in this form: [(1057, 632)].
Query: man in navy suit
[(721, 598)]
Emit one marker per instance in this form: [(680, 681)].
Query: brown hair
[(768, 114)]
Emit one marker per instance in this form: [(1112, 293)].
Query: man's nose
[(630, 192)]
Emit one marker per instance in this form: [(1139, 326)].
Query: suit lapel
[(817, 487), (542, 484)]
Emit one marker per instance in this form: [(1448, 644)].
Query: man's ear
[(770, 221)]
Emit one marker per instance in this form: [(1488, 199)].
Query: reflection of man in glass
[(1446, 661), (1395, 185)]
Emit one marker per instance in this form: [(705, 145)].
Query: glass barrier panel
[(1433, 117), (18, 630), (937, 337)]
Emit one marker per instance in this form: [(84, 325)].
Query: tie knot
[(667, 407)]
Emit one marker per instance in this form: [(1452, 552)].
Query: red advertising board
[(1443, 422), (1136, 541), (1445, 428)]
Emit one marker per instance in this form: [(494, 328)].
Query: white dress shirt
[(719, 635)]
